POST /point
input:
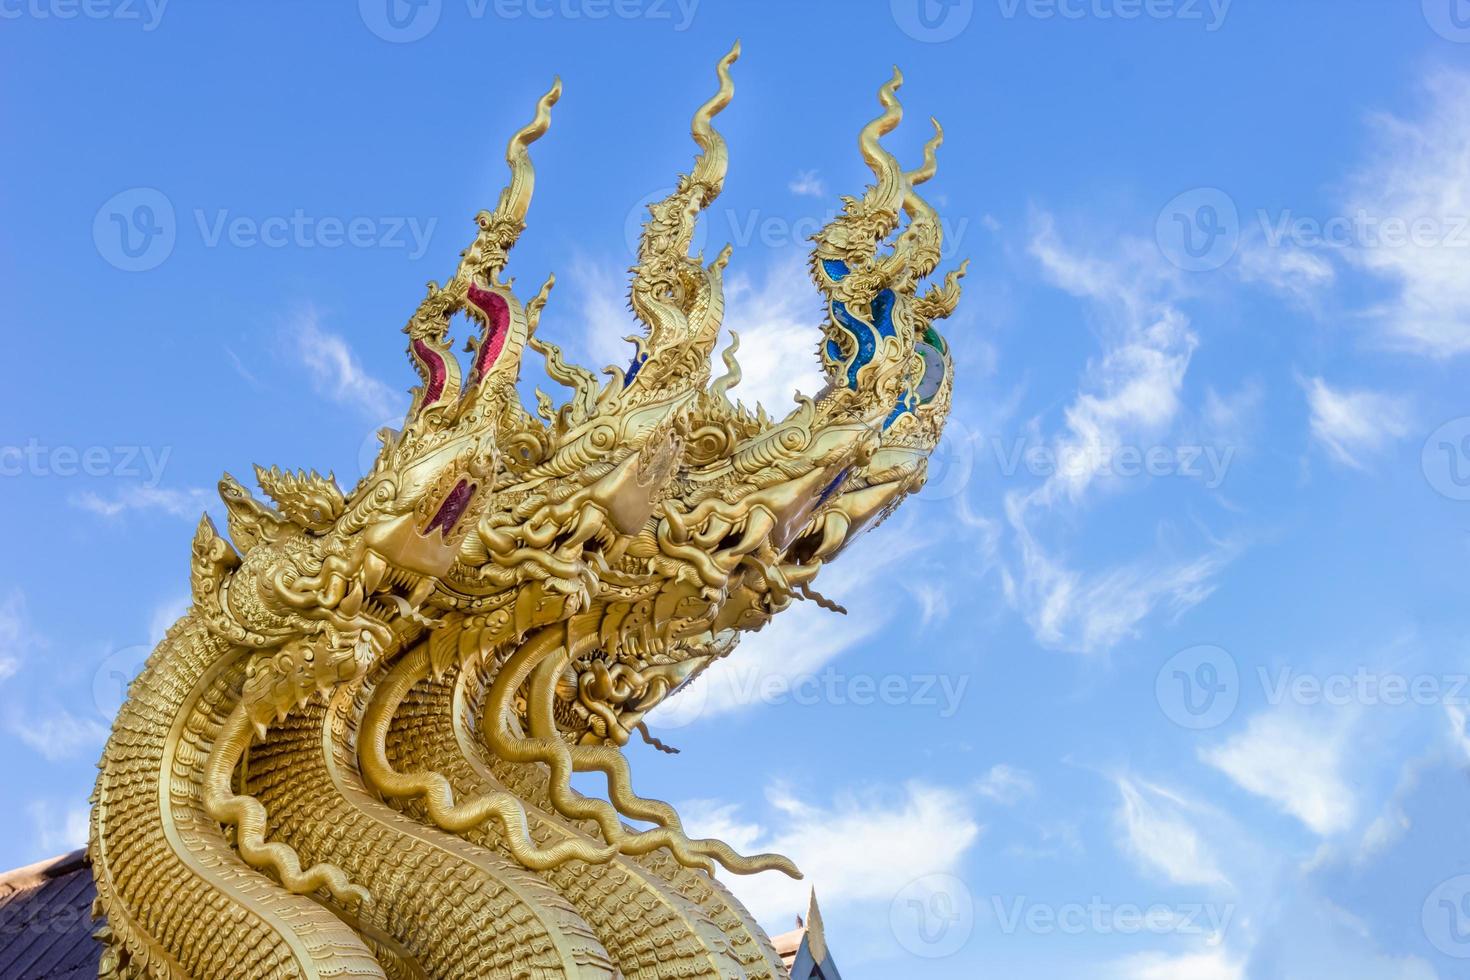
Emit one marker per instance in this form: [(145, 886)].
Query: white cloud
[(188, 503), (858, 852), (58, 830), (15, 634), (777, 315), (1006, 785), (808, 183), (1295, 273), (933, 601), (1296, 760), (1130, 396), (1155, 827), (1352, 424), (771, 665), (601, 300), (779, 321), (1093, 612), (54, 732), (336, 372), (1191, 966), (1459, 733), (1420, 172)]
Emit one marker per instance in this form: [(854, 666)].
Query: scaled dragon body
[(352, 758)]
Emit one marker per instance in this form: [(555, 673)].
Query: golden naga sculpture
[(352, 758)]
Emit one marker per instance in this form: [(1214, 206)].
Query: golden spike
[(515, 200), (731, 377), (883, 164), (930, 166), (714, 160), (919, 245)]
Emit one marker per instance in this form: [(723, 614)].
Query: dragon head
[(632, 533)]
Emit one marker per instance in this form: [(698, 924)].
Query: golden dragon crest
[(353, 757)]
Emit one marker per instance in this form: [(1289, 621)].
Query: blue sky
[(1164, 674)]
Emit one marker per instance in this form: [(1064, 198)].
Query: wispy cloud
[(778, 317), (1155, 827), (801, 641), (187, 503), (858, 852), (1420, 172), (54, 732), (336, 372), (1129, 396), (1214, 965), (1299, 275), (1352, 424), (1296, 760), (808, 183), (16, 636), (1006, 785), (59, 830)]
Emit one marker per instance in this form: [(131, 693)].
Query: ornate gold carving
[(353, 757)]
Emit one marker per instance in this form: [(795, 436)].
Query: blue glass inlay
[(633, 369)]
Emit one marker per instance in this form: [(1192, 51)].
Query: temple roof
[(804, 949), (46, 921)]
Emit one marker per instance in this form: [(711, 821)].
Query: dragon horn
[(714, 160), (515, 200), (883, 164), (920, 244)]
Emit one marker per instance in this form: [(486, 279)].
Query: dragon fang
[(352, 758)]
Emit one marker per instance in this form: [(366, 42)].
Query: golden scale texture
[(353, 756)]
